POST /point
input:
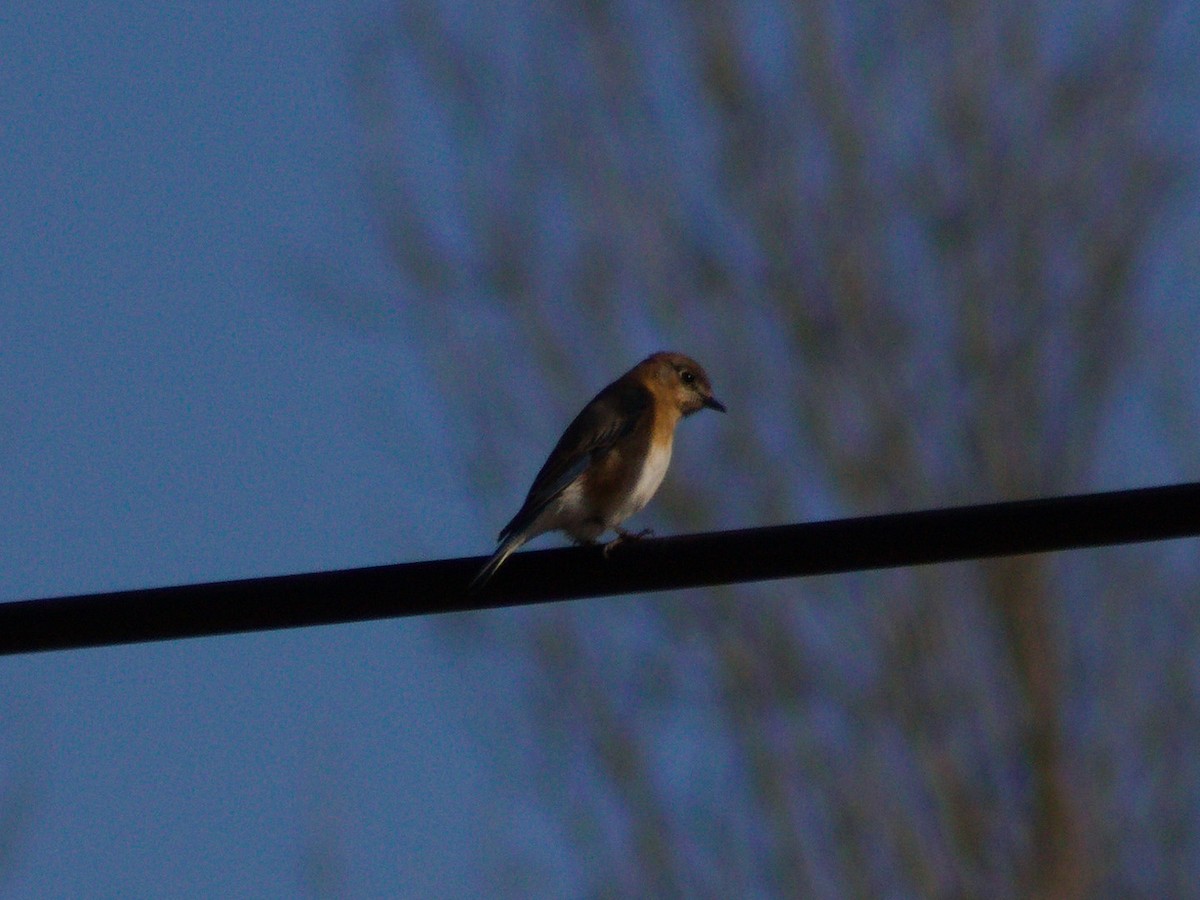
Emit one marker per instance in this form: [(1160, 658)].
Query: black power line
[(753, 554)]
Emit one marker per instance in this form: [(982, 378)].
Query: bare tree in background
[(905, 239)]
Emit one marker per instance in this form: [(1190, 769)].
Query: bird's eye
[(687, 377)]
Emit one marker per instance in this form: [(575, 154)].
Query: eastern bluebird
[(611, 459)]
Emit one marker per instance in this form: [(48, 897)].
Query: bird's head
[(681, 381)]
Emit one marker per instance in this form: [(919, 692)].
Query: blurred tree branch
[(909, 235)]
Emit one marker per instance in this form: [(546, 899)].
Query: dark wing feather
[(611, 415)]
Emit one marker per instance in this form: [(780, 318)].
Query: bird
[(611, 459)]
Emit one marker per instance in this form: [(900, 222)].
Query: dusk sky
[(209, 373)]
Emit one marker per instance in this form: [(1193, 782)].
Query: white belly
[(572, 513), (647, 484)]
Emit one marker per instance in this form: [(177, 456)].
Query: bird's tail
[(503, 552)]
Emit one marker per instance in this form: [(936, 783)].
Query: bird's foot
[(623, 536)]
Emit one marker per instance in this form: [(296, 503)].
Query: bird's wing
[(612, 414)]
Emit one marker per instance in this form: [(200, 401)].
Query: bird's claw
[(623, 536)]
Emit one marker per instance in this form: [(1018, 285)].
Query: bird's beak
[(714, 403)]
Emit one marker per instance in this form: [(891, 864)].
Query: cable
[(726, 557)]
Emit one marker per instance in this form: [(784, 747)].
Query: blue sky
[(174, 412), (177, 408)]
